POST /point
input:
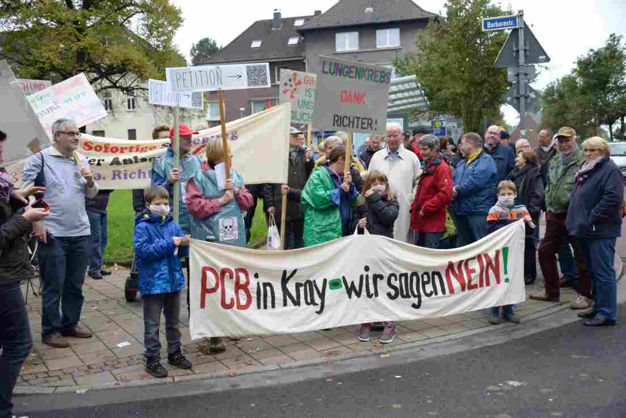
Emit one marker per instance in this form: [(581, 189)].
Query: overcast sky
[(567, 29)]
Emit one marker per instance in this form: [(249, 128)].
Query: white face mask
[(379, 188), (508, 201), (160, 209)]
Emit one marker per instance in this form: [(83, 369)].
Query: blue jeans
[(169, 304), (599, 256), (567, 262), (428, 239), (62, 264), (508, 310), (98, 241), (470, 228), (15, 342)]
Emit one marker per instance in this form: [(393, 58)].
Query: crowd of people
[(417, 188)]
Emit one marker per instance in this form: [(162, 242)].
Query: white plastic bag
[(273, 236)]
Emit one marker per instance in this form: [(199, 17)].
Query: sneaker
[(495, 320), (178, 360), (216, 345), (581, 302), (543, 296), (55, 341), (364, 333), (96, 275), (511, 317), (388, 334), (153, 366)]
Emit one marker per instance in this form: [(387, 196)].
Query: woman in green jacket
[(327, 199)]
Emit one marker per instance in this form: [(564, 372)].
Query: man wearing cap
[(561, 182), (164, 174), (502, 154), (300, 166)]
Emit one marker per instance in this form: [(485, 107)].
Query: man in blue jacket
[(502, 154), (474, 192)]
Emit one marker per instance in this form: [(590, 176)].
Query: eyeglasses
[(70, 133), (591, 149)]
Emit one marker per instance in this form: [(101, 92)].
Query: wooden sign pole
[(348, 153), (309, 135), (176, 163), (220, 95), (283, 221)]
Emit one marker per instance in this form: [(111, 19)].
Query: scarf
[(6, 187), (586, 169)]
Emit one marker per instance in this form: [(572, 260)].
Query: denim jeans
[(567, 262), (62, 264), (15, 341), (98, 241), (599, 255), (508, 310), (153, 305), (428, 239), (470, 228)]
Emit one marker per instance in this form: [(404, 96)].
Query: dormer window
[(298, 22), (256, 44), (293, 40)]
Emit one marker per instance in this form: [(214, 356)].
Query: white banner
[(259, 144), (352, 280), (159, 93)]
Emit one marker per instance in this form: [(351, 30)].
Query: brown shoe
[(543, 296), (55, 341), (78, 332), (581, 302)]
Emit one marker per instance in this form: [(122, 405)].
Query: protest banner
[(72, 98), (32, 86), (352, 280), (298, 88), (259, 144), (17, 120), (351, 96), (159, 93)]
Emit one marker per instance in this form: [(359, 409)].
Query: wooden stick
[(348, 153), (309, 135), (176, 164), (220, 95), (283, 221)]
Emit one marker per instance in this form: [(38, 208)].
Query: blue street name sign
[(500, 23)]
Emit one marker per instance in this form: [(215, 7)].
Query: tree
[(454, 63), (116, 43), (203, 50), (563, 105)]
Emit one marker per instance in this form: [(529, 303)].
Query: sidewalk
[(113, 357)]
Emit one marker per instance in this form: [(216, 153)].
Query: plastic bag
[(273, 236)]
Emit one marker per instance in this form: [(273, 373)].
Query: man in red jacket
[(428, 211)]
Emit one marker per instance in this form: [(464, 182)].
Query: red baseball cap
[(182, 131)]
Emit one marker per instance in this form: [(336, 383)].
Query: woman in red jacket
[(434, 192)]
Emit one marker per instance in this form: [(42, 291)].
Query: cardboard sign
[(33, 86), (298, 88), (219, 77), (351, 96), (237, 291), (72, 98), (159, 93)]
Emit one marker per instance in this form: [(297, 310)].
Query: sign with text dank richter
[(298, 88), (351, 96), (352, 280)]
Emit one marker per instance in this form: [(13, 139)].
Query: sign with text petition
[(351, 96), (298, 88), (352, 280), (159, 93), (218, 77)]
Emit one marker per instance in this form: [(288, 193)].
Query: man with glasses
[(64, 235)]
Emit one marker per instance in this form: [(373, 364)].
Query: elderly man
[(372, 148), (402, 168), (64, 234), (474, 193), (561, 183), (501, 154), (545, 151), (522, 145)]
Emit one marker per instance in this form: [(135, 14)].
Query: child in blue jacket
[(158, 243)]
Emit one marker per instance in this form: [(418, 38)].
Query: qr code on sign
[(257, 75)]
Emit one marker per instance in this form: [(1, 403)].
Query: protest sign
[(159, 93), (17, 120), (352, 280), (32, 86), (298, 88), (218, 77), (259, 144), (120, 163), (351, 96), (72, 98)]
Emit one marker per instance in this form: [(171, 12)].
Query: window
[(277, 69), (132, 134), (98, 133), (260, 105), (298, 22), (213, 111), (256, 44), (386, 38), (293, 40), (107, 101), (347, 41), (131, 101)]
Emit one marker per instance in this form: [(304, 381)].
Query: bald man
[(502, 154)]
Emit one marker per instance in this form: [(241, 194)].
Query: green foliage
[(454, 63), (55, 39), (203, 50)]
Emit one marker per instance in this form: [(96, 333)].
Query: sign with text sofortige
[(159, 93), (351, 96), (298, 88), (219, 77)]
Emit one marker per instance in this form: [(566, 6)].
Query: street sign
[(500, 23), (528, 71), (218, 77), (159, 93), (439, 127), (513, 95), (533, 51)]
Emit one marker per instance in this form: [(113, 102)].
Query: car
[(618, 155)]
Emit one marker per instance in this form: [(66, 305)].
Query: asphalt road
[(571, 371)]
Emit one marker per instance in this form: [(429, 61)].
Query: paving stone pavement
[(113, 357)]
